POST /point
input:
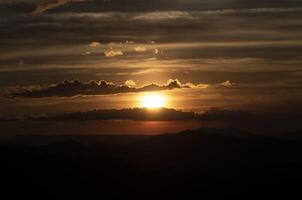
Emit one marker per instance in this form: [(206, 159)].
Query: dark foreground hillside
[(209, 163)]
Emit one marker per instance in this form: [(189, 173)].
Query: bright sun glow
[(153, 101)]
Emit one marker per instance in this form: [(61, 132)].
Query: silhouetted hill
[(209, 163)]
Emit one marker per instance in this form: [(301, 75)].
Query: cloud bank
[(169, 114), (141, 114), (74, 88)]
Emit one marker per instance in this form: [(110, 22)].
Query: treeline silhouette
[(206, 163)]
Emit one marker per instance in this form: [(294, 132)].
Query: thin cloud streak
[(168, 15), (47, 5)]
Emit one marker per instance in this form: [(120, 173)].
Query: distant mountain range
[(209, 163)]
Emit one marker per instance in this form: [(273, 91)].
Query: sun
[(153, 101)]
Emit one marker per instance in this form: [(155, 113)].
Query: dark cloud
[(244, 116), (226, 115), (162, 114), (134, 119), (74, 88), (253, 33), (169, 114), (141, 114)]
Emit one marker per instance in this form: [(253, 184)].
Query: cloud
[(170, 114), (227, 115), (94, 44), (129, 42), (175, 83), (142, 114), (198, 85), (165, 16), (74, 88), (238, 117), (47, 5), (162, 15), (251, 11), (43, 6), (228, 83), (140, 49), (262, 119), (158, 51), (112, 53), (130, 83)]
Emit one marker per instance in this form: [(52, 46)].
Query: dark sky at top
[(136, 5)]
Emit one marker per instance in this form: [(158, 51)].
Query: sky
[(65, 56)]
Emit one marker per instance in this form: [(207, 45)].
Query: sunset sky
[(151, 99), (66, 56)]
